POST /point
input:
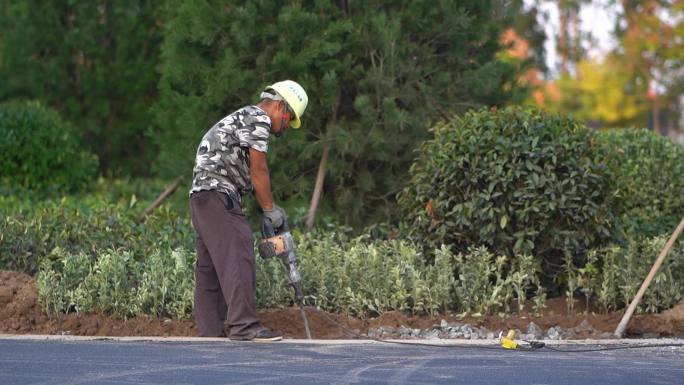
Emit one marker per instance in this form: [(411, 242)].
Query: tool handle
[(267, 229)]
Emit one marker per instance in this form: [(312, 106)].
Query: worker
[(230, 164)]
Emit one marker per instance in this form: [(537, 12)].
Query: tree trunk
[(318, 188), (656, 113), (320, 175), (562, 42), (165, 194)]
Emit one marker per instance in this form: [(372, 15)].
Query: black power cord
[(608, 348)]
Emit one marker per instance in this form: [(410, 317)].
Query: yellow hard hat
[(295, 96)]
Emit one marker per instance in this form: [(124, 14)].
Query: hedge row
[(353, 277), (358, 277)]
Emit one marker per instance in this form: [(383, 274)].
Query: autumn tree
[(600, 93), (652, 47)]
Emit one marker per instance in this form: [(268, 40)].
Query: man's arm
[(261, 180)]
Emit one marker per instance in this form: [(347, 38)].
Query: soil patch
[(20, 313)]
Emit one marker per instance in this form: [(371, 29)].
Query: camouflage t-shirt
[(222, 161)]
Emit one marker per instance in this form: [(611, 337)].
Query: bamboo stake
[(659, 261), (165, 194)]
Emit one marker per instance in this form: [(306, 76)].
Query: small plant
[(480, 284), (438, 283), (113, 282), (523, 277), (486, 283), (539, 300), (571, 281), (613, 275), (59, 282), (167, 285)]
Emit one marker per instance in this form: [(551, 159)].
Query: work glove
[(276, 215)]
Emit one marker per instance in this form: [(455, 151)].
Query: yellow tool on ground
[(508, 341)]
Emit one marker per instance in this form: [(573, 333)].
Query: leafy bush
[(357, 276), (613, 275), (167, 284), (648, 175), (111, 285), (116, 282), (59, 282), (517, 181), (41, 151), (485, 284)]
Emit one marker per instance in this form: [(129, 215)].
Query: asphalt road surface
[(54, 361)]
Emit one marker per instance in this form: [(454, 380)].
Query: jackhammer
[(279, 243)]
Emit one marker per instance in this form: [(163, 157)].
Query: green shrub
[(486, 284), (112, 283), (167, 285), (613, 275), (41, 151), (59, 282), (517, 181), (648, 176), (358, 276), (116, 282)]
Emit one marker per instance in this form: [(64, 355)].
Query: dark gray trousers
[(225, 277)]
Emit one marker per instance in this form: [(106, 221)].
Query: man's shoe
[(261, 335), (267, 335)]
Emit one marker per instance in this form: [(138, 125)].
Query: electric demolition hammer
[(279, 243)]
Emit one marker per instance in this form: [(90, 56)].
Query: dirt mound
[(20, 313), (18, 303)]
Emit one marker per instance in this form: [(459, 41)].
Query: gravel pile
[(466, 331)]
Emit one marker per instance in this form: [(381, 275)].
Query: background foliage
[(94, 62), (647, 173), (41, 151), (638, 82), (600, 94), (31, 229), (378, 74)]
